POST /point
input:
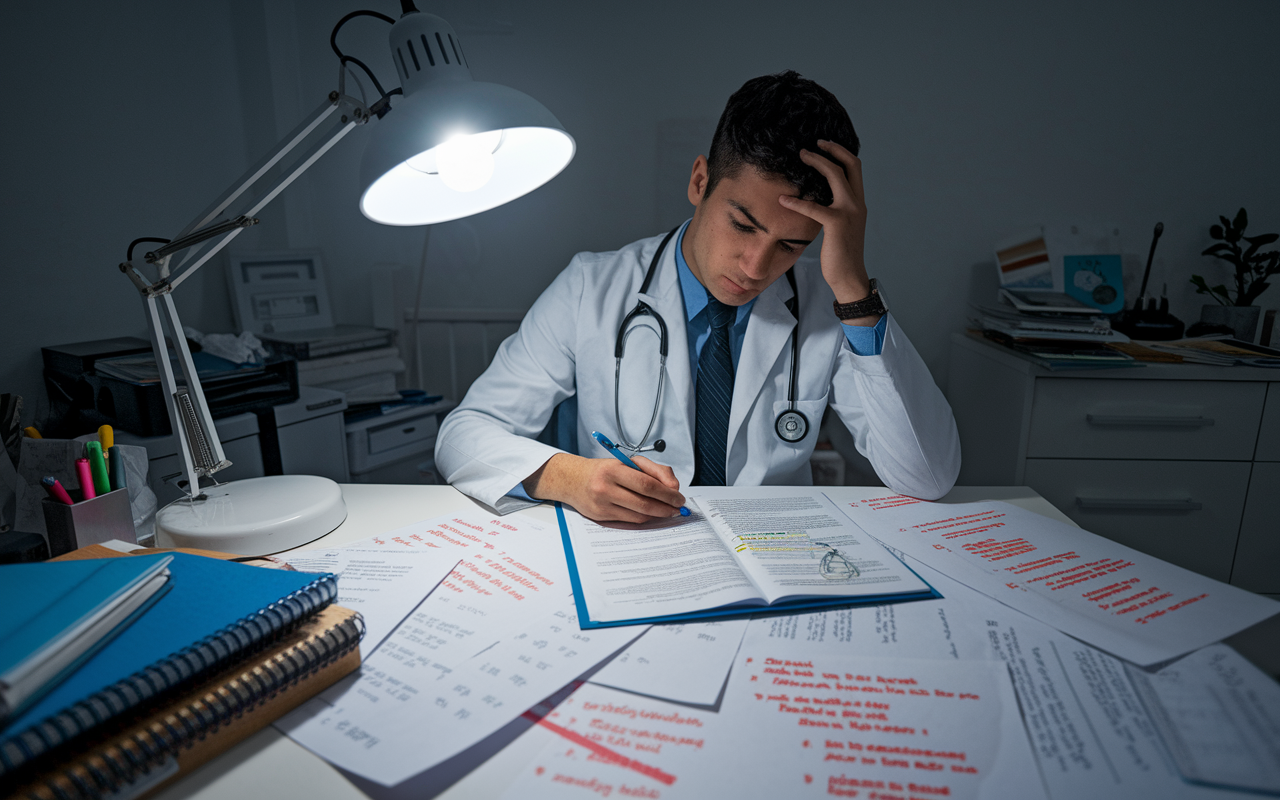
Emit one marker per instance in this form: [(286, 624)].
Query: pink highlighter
[(86, 478)]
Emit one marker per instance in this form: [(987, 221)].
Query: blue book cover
[(724, 612), (61, 613), (215, 612)]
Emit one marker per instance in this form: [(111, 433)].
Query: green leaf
[(1216, 231), (1242, 220), (1226, 223), (1203, 288)]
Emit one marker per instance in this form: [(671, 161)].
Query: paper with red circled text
[(1128, 603), (797, 721)]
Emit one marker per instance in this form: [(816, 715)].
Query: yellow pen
[(32, 433)]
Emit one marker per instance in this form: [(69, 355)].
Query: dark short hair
[(767, 122)]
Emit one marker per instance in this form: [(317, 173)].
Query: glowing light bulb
[(465, 163)]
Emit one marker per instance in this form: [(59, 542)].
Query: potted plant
[(1253, 266)]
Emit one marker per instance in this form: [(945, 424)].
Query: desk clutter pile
[(1091, 672), (1060, 333)]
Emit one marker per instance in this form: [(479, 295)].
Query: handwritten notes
[(1128, 603), (600, 743), (797, 722), (499, 634), (849, 726)]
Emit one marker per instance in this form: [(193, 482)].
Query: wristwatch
[(869, 306)]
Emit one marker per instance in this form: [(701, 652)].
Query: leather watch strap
[(869, 306)]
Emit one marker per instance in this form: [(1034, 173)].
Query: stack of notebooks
[(1053, 329), (119, 674), (361, 362)]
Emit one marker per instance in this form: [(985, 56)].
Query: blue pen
[(621, 456)]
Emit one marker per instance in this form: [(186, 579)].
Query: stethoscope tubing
[(790, 420)]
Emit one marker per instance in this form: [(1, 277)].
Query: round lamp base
[(254, 517)]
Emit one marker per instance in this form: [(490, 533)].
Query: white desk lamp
[(451, 147)]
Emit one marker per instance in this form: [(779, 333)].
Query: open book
[(742, 550)]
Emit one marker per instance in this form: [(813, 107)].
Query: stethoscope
[(791, 425)]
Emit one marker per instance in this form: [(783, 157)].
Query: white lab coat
[(565, 345)]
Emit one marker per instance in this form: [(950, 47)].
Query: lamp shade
[(405, 173)]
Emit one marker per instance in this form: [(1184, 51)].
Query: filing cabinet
[(1181, 461)]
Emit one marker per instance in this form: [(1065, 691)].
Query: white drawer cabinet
[(1184, 420), (1186, 512), (1180, 461)]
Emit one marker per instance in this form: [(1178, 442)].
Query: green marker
[(97, 467)]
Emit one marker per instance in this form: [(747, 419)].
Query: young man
[(726, 367)]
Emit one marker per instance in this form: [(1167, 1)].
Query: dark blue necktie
[(715, 393)]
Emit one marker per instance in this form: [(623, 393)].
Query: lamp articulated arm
[(198, 446)]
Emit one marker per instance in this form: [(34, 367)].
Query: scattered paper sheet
[(797, 722), (684, 663), (1090, 733), (837, 723), (914, 629), (1220, 716), (498, 635), (1128, 603), (384, 585), (604, 743)]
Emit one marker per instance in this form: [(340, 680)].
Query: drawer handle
[(1136, 504), (1154, 421), (410, 429)]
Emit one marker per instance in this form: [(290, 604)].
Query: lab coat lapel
[(676, 421), (768, 331)]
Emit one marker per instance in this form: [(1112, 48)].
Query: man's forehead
[(755, 195)]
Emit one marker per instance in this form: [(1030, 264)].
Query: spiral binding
[(259, 628), (119, 767)]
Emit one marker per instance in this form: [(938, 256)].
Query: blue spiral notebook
[(215, 613), (742, 552)]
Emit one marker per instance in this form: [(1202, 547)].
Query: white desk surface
[(269, 764)]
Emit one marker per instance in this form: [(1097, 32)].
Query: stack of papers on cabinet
[(1020, 324)]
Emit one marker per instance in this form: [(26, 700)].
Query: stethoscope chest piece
[(791, 426)]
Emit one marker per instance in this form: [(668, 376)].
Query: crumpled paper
[(241, 349)]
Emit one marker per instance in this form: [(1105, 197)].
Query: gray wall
[(977, 121)]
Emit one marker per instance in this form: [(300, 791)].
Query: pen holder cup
[(87, 522)]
